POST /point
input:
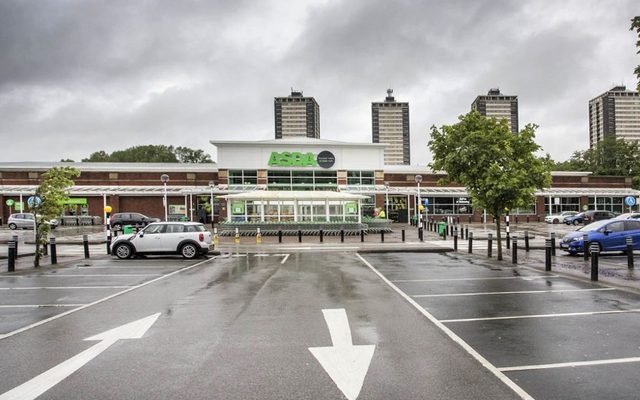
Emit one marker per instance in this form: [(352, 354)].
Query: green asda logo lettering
[(324, 159), (294, 159)]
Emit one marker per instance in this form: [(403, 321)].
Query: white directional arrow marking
[(345, 363), (45, 381)]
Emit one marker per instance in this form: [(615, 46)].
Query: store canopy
[(301, 195)]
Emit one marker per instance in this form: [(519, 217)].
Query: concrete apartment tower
[(390, 123), (614, 113), (499, 106), (296, 116)]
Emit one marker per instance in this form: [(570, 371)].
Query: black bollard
[(15, 240), (470, 238), (514, 249), (547, 254), (299, 236), (508, 240), (595, 252), (279, 235), (85, 245), (466, 232), (420, 234), (526, 240), (362, 235), (382, 236), (11, 256), (455, 241), (553, 243), (403, 235), (54, 251), (342, 235), (489, 244), (45, 248), (585, 246), (321, 236), (629, 252), (444, 232)]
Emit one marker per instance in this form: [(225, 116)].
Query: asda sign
[(324, 159)]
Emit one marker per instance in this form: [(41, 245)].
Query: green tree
[(188, 155), (151, 153), (498, 168), (53, 191), (635, 26)]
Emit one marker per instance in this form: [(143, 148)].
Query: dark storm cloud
[(80, 76)]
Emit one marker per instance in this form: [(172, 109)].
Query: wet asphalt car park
[(243, 326), (552, 336)]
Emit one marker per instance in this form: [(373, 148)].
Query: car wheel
[(575, 222), (117, 227), (13, 226), (556, 220), (123, 251), (188, 251)]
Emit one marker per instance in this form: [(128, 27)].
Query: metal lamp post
[(418, 180), (165, 178), (386, 199), (211, 185)]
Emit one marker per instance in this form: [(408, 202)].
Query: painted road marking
[(515, 292), (571, 364), (541, 316), (44, 321), (346, 364), (284, 259), (495, 371), (319, 248), (64, 287), (40, 305), (527, 278), (76, 275), (45, 381)]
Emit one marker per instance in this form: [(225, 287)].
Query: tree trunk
[(499, 236)]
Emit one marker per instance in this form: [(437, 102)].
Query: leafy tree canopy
[(152, 153), (54, 192), (498, 168), (635, 26)]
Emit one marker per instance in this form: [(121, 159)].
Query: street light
[(211, 185), (418, 214), (386, 199), (165, 178)]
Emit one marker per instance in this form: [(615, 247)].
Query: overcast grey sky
[(82, 76)]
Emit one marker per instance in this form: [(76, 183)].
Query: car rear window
[(631, 225)]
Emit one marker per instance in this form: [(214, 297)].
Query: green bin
[(127, 229), (441, 228)]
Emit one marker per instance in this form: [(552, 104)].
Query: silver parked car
[(27, 221)]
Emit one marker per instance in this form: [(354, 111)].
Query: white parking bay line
[(79, 275), (64, 287), (44, 321), (577, 314), (457, 339), (514, 292), (526, 278), (40, 305), (571, 364)]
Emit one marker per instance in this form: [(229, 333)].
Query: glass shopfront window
[(242, 177), (614, 204), (360, 178), (560, 204), (448, 205), (302, 180), (254, 210)]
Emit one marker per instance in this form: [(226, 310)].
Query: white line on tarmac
[(40, 305), (65, 287), (284, 259), (444, 321), (495, 371), (474, 279), (318, 248), (571, 364), (77, 275), (515, 292), (44, 321)]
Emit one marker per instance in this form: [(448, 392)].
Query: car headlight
[(576, 239)]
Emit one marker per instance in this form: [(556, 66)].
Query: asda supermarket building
[(348, 181)]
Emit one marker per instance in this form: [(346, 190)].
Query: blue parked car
[(608, 235)]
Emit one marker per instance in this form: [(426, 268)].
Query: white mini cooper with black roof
[(188, 239)]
